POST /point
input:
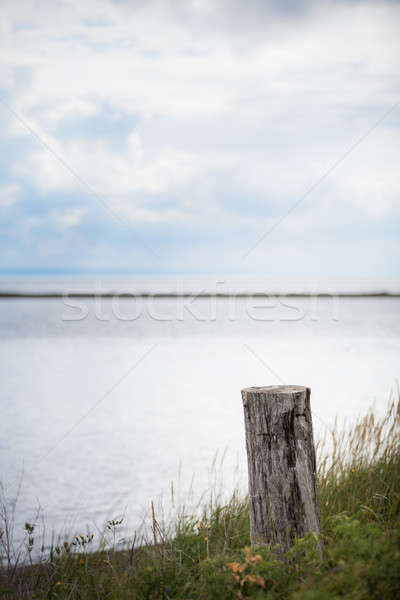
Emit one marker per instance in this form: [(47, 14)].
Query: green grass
[(209, 556)]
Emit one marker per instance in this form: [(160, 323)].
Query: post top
[(276, 389)]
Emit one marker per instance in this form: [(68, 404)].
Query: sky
[(200, 137)]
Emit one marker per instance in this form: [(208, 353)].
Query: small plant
[(29, 529), (245, 574), (82, 541), (112, 526)]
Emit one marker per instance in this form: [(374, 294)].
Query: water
[(101, 413)]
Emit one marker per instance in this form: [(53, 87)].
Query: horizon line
[(94, 295)]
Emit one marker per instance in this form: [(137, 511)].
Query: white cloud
[(228, 113), (77, 107), (149, 60), (67, 218), (104, 170), (9, 195)]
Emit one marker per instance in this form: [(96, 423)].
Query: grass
[(208, 556)]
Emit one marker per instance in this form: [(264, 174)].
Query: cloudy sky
[(174, 137)]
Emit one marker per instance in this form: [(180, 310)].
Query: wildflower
[(253, 579), (250, 578), (236, 567), (260, 581), (29, 528), (257, 558), (58, 582)]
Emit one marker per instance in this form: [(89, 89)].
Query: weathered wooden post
[(283, 500)]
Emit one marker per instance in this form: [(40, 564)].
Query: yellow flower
[(58, 583)]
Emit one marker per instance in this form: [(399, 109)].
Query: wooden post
[(283, 500)]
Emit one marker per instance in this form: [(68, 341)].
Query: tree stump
[(283, 501)]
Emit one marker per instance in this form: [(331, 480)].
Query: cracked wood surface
[(283, 501)]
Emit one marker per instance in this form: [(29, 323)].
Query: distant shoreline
[(171, 295)]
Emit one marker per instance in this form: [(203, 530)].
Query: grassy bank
[(208, 556)]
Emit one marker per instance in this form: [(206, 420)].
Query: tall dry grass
[(206, 555)]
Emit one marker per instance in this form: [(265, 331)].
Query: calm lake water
[(104, 402)]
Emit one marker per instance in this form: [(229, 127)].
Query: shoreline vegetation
[(88, 295), (208, 556)]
